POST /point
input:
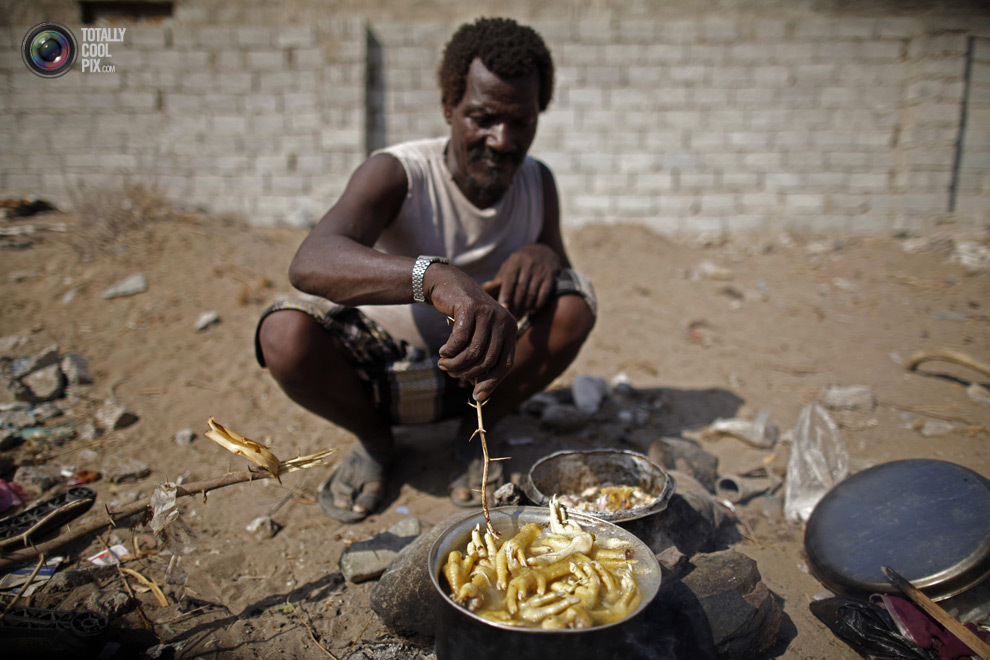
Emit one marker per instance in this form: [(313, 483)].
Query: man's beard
[(500, 177)]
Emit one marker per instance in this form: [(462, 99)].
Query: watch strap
[(419, 271)]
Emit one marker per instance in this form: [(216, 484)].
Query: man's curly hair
[(506, 48)]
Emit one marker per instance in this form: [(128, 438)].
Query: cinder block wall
[(265, 122), (742, 123), (739, 118)]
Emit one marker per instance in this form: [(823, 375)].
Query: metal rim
[(511, 519), (659, 504)]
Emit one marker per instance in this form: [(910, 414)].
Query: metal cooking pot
[(463, 634)]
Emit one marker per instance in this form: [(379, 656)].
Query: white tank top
[(437, 219)]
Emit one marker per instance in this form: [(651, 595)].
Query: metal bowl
[(572, 471), (463, 634)]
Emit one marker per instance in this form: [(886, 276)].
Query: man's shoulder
[(425, 148)]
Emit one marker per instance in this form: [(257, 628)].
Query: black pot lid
[(928, 520)]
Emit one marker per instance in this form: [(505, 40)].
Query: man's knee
[(572, 322), (286, 339)]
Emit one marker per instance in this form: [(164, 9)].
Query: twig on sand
[(295, 610), (115, 514), (946, 355)]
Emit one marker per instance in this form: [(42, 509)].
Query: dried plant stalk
[(483, 434)]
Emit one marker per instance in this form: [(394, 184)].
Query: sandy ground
[(785, 317)]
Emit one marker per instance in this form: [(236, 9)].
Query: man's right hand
[(482, 343)]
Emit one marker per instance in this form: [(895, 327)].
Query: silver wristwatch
[(419, 270)]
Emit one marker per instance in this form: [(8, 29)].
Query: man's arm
[(337, 262)]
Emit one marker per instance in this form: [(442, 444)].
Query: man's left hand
[(527, 279)]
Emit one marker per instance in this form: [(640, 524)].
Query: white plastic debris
[(819, 460)]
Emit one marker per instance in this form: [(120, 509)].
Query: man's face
[(491, 129)]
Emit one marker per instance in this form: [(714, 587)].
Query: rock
[(536, 404), (404, 597), (936, 427), (76, 369), (263, 527), (8, 439), (77, 577), (563, 417), (46, 411), (692, 521), (510, 494), (119, 470), (743, 614), (851, 397), (588, 392), (19, 419), (979, 394), (206, 319), (184, 437), (87, 431), (36, 479), (45, 384), (112, 415), (110, 603), (11, 343), (971, 255), (685, 456), (672, 560), (368, 559), (131, 285)]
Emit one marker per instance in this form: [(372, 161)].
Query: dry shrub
[(108, 215)]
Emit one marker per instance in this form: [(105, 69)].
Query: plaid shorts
[(404, 381)]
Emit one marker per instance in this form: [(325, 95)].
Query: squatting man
[(465, 226)]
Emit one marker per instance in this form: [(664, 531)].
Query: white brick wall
[(682, 118), (238, 130)]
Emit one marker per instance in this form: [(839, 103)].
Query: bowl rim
[(659, 504), (462, 527)]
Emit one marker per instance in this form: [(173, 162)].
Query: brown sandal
[(354, 490)]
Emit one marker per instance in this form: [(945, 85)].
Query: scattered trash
[(404, 510), (708, 270), (24, 208), (263, 527), (82, 477), (738, 489), (850, 397), (819, 460), (11, 496), (11, 581), (206, 319), (758, 432), (588, 392), (108, 556), (172, 531), (132, 285), (936, 427)]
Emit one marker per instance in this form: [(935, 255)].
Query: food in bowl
[(551, 575), (608, 498)]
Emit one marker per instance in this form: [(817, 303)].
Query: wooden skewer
[(950, 623)]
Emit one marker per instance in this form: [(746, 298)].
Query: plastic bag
[(819, 460), (171, 530), (867, 628)]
